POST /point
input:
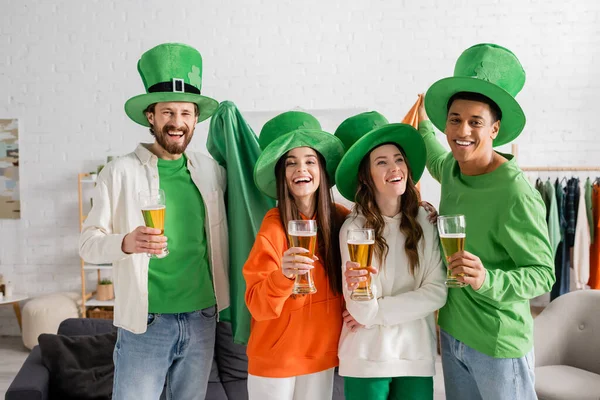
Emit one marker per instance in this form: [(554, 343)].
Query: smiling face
[(302, 172), (389, 172), (471, 130), (173, 125)]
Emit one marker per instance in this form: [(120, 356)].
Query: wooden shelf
[(87, 299), (97, 303), (94, 267)]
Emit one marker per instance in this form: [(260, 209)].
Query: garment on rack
[(549, 194), (594, 281), (581, 248), (571, 209), (589, 207), (562, 263)]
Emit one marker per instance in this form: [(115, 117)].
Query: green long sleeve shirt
[(507, 230)]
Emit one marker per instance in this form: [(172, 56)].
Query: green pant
[(401, 387)]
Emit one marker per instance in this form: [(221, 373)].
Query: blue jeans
[(176, 348), (471, 375)]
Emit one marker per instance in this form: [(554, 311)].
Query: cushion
[(81, 367), (562, 382), (43, 314), (231, 357)]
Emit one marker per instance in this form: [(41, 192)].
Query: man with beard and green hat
[(486, 324), (166, 306)]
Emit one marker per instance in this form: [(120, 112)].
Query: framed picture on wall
[(10, 203)]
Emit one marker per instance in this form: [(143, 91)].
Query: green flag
[(233, 144)]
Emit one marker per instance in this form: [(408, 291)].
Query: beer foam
[(302, 233), (453, 235), (361, 242), (152, 208)]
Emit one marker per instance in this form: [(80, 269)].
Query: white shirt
[(116, 212), (399, 337)]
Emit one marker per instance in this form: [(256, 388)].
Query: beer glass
[(360, 246), (303, 233), (452, 229), (153, 206)]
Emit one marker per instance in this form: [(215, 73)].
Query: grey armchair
[(567, 348)]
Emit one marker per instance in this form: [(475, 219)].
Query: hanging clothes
[(552, 219), (589, 207), (581, 248), (562, 263), (594, 281)]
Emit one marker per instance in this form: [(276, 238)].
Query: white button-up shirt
[(116, 212)]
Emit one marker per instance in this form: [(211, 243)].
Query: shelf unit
[(88, 297)]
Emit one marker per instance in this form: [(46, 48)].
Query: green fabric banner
[(234, 145)]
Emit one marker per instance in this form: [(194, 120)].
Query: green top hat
[(170, 72), (403, 135), (357, 126), (490, 70), (288, 131)]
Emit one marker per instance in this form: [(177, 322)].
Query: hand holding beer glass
[(153, 206), (303, 234), (452, 229), (360, 246)]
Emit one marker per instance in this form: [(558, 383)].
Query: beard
[(162, 138)]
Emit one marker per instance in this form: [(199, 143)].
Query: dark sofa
[(228, 378)]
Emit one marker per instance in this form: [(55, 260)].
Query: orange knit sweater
[(289, 336)]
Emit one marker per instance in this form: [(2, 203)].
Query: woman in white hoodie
[(387, 347)]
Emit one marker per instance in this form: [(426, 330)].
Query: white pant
[(317, 386)]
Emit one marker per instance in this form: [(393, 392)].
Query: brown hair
[(409, 207), (329, 221), (151, 107)]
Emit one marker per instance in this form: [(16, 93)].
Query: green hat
[(286, 122), (404, 135), (288, 131), (357, 126), (490, 70), (170, 72)]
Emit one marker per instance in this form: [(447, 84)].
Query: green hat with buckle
[(170, 72), (366, 131), (286, 132), (492, 71)]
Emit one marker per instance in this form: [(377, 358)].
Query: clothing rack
[(515, 151)]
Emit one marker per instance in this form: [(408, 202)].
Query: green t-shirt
[(507, 230), (182, 281)]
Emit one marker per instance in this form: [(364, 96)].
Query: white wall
[(67, 67)]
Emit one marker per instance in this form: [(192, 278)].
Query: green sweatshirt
[(507, 230)]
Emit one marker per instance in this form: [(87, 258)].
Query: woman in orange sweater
[(292, 350)]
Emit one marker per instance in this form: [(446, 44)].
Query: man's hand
[(422, 114), (350, 322), (354, 277), (144, 240), (467, 268), (432, 212)]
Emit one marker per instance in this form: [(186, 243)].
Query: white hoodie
[(399, 337)]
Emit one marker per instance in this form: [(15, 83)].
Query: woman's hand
[(354, 274), (294, 263), (350, 322)]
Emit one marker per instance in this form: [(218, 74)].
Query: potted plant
[(105, 290)]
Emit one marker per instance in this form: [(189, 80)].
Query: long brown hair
[(409, 207), (329, 221)]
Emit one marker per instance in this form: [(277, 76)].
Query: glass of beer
[(152, 203), (360, 246), (303, 233), (452, 229)]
